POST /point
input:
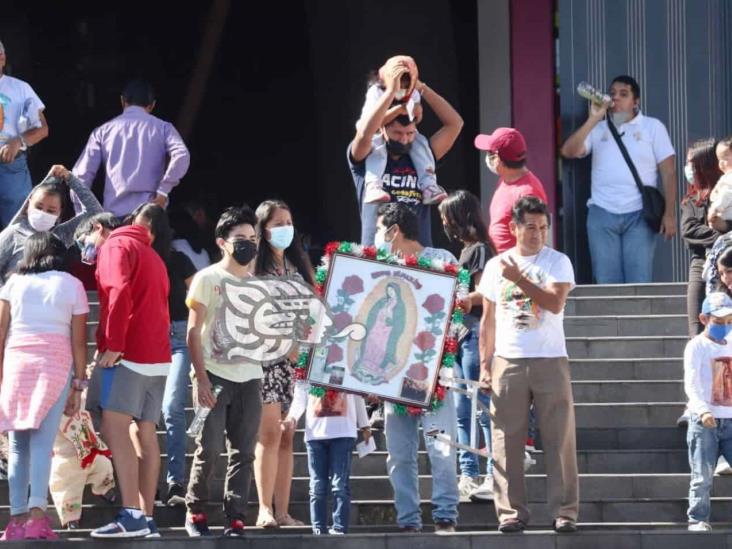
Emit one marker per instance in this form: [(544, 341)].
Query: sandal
[(287, 520), (266, 519)]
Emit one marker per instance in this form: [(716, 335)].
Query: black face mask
[(244, 251), (397, 147)]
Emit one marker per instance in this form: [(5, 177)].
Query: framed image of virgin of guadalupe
[(402, 313)]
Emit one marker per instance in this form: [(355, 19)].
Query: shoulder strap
[(624, 152)]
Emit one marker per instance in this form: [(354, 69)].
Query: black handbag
[(654, 204)]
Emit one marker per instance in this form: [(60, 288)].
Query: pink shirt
[(502, 202)]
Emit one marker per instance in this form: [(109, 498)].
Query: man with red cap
[(506, 157)]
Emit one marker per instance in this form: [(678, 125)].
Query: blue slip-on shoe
[(123, 526)]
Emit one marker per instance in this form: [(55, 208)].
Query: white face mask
[(490, 165), (40, 220), (689, 173), (380, 242), (400, 94)]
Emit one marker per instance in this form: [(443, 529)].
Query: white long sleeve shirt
[(324, 419), (708, 376)]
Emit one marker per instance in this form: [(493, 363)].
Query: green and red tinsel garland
[(450, 346)]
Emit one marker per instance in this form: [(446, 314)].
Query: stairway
[(625, 345)]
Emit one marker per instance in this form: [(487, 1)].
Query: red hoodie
[(133, 298)]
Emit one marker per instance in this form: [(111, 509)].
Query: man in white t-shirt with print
[(22, 124), (523, 356), (397, 232), (622, 244)]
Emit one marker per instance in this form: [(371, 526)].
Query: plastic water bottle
[(589, 92), (201, 414)]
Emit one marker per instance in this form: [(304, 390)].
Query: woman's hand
[(73, 403)]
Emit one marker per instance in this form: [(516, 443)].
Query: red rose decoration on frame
[(353, 285), (434, 303), (451, 345), (410, 261), (451, 268), (424, 341), (369, 252), (331, 248)]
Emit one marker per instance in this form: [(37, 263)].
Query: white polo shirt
[(19, 106), (613, 186)]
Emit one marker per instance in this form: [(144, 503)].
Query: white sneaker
[(434, 194), (484, 492), (723, 467), (466, 487), (374, 192), (529, 461), (699, 527)]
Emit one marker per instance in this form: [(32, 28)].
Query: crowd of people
[(163, 302)]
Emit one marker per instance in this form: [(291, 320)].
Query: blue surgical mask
[(689, 173), (281, 237), (719, 331), (89, 253)]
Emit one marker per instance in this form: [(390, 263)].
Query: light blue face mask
[(719, 331), (689, 173), (281, 237)]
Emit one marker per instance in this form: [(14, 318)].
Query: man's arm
[(180, 160), (87, 165), (487, 340), (667, 169), (113, 267), (10, 150), (196, 317), (444, 138), (361, 145), (574, 146)]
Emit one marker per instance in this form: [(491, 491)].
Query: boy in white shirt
[(331, 428), (721, 195), (708, 385)]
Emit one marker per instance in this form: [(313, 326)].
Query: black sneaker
[(110, 496), (72, 525), (235, 529), (197, 526), (176, 495)]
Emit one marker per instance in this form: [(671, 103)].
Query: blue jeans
[(705, 446), (621, 246), (402, 444), (29, 460), (174, 403), (15, 185), (468, 367), (329, 463)]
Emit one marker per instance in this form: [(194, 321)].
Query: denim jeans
[(329, 464), (15, 185), (621, 246), (174, 403), (29, 460), (705, 446), (468, 367), (402, 444)]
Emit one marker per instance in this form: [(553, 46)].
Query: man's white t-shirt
[(19, 106), (708, 376), (523, 329), (613, 186)]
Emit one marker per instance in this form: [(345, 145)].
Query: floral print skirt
[(278, 383)]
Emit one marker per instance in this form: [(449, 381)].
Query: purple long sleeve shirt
[(133, 147)]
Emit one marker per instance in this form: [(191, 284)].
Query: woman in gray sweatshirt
[(42, 211)]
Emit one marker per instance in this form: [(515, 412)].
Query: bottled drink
[(586, 90), (201, 414)]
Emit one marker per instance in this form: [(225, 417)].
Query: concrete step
[(626, 305), (625, 537), (626, 347), (628, 391), (629, 289), (641, 369), (628, 414), (380, 512), (625, 325)]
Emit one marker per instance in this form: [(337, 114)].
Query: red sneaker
[(235, 529)]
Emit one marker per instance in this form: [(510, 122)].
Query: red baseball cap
[(507, 143)]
